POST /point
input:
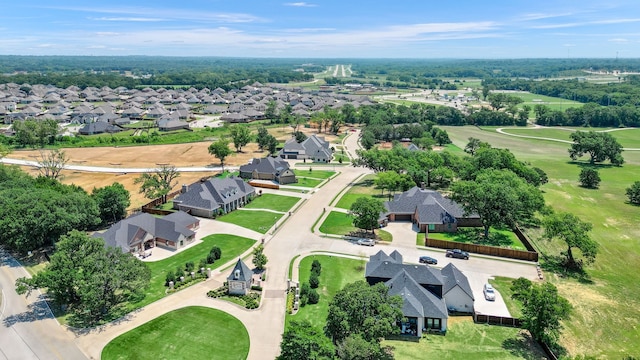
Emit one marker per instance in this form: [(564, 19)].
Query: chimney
[(422, 185), (184, 188)]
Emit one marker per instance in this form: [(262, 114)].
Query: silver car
[(366, 242), (489, 292)]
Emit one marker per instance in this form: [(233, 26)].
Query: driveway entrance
[(404, 233)]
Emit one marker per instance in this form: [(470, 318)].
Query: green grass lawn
[(336, 273), (467, 340), (232, 246), (256, 220), (364, 187), (306, 182), (603, 300), (503, 286), (627, 138), (273, 202), (338, 156), (316, 174), (337, 223), (193, 332), (497, 237), (559, 134), (167, 206)]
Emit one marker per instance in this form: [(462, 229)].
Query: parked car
[(428, 260), (457, 253), (488, 292), (366, 242)]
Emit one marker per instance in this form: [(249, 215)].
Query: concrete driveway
[(404, 233)]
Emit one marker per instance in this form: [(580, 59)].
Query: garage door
[(403, 217)]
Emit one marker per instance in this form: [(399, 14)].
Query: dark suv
[(457, 253)]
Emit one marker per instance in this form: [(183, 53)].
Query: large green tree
[(600, 146), (112, 201), (220, 149), (302, 341), (633, 193), (241, 136), (158, 184), (36, 212), (542, 309), (589, 178), (366, 212), (365, 310), (574, 233), (35, 133), (92, 280), (499, 197), (354, 347)]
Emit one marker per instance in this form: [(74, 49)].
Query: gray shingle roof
[(244, 273), (433, 208), (452, 277), (214, 193), (417, 302), (388, 269), (268, 165), (132, 230)]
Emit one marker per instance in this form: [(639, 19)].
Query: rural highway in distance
[(28, 329)]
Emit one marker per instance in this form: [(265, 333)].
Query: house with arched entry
[(143, 231)]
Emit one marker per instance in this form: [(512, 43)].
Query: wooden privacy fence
[(483, 249), (264, 185), (496, 320)]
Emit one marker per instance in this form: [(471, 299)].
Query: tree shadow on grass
[(588, 165), (523, 346), (557, 264)]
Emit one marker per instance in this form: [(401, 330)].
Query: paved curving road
[(28, 329), (266, 324)]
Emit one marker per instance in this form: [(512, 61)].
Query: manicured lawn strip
[(338, 156), (255, 220), (420, 239), (364, 187), (467, 340), (318, 174), (335, 274), (605, 300), (337, 223), (167, 206), (193, 332), (232, 246), (306, 182), (385, 236), (273, 202), (503, 286), (498, 237)]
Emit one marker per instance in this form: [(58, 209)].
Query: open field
[(335, 274), (467, 340), (628, 137), (232, 246), (603, 301), (183, 334)]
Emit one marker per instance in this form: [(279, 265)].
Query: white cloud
[(166, 14), (585, 23), (540, 16), (131, 19), (300, 4), (96, 47), (619, 40)]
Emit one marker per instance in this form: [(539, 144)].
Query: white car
[(489, 292)]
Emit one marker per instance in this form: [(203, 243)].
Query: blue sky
[(323, 28)]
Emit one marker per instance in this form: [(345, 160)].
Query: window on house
[(432, 227)]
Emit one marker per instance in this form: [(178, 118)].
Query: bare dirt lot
[(181, 155)]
